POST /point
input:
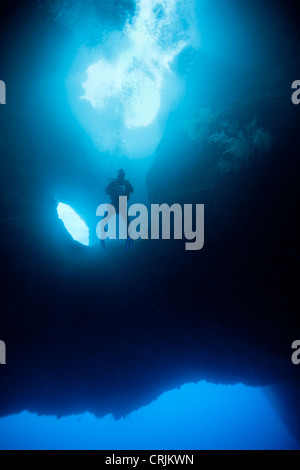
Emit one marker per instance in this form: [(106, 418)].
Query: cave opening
[(196, 416), (73, 223)]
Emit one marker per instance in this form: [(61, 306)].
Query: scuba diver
[(119, 187)]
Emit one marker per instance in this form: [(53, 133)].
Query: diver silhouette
[(119, 187)]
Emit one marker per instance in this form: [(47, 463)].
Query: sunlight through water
[(131, 83), (198, 416)]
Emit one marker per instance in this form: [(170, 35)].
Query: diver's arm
[(110, 188), (130, 188)]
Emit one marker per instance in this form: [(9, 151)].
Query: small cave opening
[(74, 224)]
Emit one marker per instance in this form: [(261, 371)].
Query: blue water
[(124, 112), (202, 416)]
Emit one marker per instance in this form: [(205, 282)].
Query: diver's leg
[(129, 244), (102, 242), (129, 241)]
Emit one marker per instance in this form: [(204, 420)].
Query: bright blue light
[(76, 227), (202, 416), (131, 83)]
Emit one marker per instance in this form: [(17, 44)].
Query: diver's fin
[(129, 244)]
